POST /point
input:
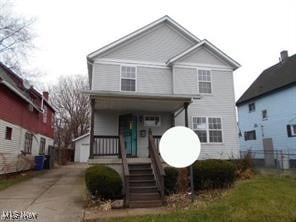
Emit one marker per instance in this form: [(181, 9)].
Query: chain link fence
[(276, 159)]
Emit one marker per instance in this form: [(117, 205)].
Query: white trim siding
[(10, 149)]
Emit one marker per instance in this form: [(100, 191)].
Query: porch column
[(92, 118), (190, 167), (186, 113), (173, 119)]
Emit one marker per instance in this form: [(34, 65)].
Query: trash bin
[(47, 162), (39, 162)]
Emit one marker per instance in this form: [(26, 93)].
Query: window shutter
[(289, 131)]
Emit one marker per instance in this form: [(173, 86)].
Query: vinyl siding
[(281, 111), (185, 80), (82, 150), (154, 80), (219, 104), (149, 80), (10, 149), (203, 56), (156, 45), (106, 77), (106, 123)]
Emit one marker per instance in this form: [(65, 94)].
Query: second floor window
[(252, 107), (264, 114), (45, 113), (204, 81), (128, 78)]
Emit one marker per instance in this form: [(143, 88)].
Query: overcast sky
[(251, 32)]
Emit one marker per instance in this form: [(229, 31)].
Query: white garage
[(81, 143)]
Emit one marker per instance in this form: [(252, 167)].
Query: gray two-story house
[(150, 80)]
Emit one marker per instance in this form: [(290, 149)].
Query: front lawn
[(17, 178), (263, 198)]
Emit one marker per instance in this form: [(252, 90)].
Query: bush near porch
[(212, 174), (171, 180), (103, 182)]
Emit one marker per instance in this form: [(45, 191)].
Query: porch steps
[(142, 187)]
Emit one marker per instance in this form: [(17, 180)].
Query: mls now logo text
[(18, 215)]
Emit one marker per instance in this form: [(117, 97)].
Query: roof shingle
[(273, 78)]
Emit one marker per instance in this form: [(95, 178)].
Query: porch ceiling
[(135, 102)]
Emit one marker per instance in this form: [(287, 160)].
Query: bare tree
[(73, 111), (15, 36)]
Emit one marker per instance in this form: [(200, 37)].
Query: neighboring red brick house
[(26, 120)]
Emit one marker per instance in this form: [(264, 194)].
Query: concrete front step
[(145, 203), (149, 189), (139, 166), (141, 171), (142, 183), (145, 196), (141, 177)]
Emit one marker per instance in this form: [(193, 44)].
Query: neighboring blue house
[(267, 111)]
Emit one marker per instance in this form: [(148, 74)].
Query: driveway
[(56, 195)]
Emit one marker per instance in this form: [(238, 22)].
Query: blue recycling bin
[(39, 162)]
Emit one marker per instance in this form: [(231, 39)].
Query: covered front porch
[(125, 133), (135, 118)]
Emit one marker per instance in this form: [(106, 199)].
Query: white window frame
[(198, 81), (208, 130), (45, 114), (266, 117), (293, 132), (157, 126), (250, 111), (136, 71)]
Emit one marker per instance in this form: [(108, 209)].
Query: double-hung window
[(215, 130), (28, 142), (45, 113), (42, 146), (128, 78), (208, 129), (204, 81)]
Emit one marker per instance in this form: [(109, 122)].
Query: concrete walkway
[(54, 196)]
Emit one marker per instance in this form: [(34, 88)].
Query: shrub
[(210, 174), (171, 180), (245, 163), (103, 182)]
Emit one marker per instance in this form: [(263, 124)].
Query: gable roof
[(276, 77), (165, 18), (15, 83), (80, 137), (204, 42)]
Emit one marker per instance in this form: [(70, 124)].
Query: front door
[(128, 127)]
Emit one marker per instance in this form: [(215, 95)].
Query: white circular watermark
[(179, 147)]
